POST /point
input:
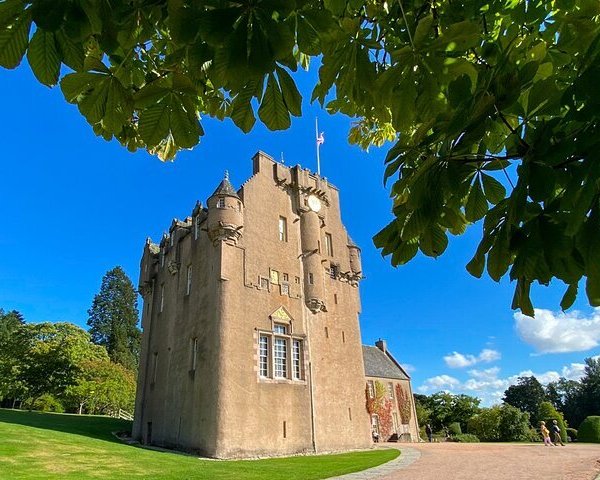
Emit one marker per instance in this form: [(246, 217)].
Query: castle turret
[(225, 213), (355, 263), (310, 227)]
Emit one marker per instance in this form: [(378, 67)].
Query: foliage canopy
[(493, 106)]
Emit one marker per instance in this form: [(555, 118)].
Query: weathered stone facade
[(251, 342)]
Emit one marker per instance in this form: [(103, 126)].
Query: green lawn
[(37, 445)]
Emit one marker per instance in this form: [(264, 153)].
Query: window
[(154, 366), (162, 297), (343, 337), (280, 354), (189, 280), (274, 277), (283, 229), (197, 227), (285, 288), (264, 283), (221, 203), (335, 300), (193, 354), (280, 357), (296, 364), (285, 277), (297, 279), (333, 271), (391, 390), (371, 387), (310, 279), (263, 354), (328, 244), (279, 328)]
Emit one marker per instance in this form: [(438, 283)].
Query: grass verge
[(38, 445)]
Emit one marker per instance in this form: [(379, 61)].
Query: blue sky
[(72, 206)]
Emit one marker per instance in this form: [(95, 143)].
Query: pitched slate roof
[(225, 188), (379, 364)]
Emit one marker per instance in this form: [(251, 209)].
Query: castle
[(251, 339)]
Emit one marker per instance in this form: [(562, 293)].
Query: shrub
[(47, 403), (589, 430), (548, 414), (465, 438), (572, 434), (534, 435), (454, 428), (485, 425)]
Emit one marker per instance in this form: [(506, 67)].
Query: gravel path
[(485, 461)]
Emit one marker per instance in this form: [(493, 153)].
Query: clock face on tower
[(314, 203)]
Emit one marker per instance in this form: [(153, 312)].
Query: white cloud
[(460, 360), (550, 332), (439, 383), (487, 385)]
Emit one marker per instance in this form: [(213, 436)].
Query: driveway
[(496, 461)]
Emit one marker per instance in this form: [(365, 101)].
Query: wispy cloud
[(559, 332), (460, 360)]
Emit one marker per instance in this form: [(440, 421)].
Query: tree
[(102, 386), (486, 424), (589, 398), (423, 413), (565, 396), (526, 395), (11, 352), (447, 408), (478, 96), (513, 424), (113, 318), (51, 357)]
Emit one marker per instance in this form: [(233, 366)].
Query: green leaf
[(154, 123), (541, 181), (119, 107), (424, 28), (13, 41), (44, 58), (433, 241), (9, 9), (404, 252), (72, 53), (499, 259), (476, 265), (569, 297), (521, 298), (493, 189), (291, 96), (592, 290), (273, 111), (307, 37), (77, 85), (184, 125), (242, 112), (476, 206), (459, 90)]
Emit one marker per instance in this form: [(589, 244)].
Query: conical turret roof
[(351, 242), (225, 187)]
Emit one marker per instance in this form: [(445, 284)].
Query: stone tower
[(251, 341)]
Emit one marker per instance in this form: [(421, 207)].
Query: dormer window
[(221, 203)]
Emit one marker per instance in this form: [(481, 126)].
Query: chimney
[(381, 345)]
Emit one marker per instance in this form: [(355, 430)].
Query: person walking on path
[(556, 432), (545, 434), (429, 432)]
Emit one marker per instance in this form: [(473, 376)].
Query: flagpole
[(318, 145)]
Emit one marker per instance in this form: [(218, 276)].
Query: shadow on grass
[(91, 426)]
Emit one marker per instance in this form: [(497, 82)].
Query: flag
[(321, 139)]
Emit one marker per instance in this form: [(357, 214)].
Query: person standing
[(545, 434), (556, 433), (429, 432)]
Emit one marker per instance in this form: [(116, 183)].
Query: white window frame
[(264, 347), (188, 288), (280, 357), (329, 244), (283, 233), (194, 354), (162, 297), (280, 354), (296, 359), (221, 202)]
